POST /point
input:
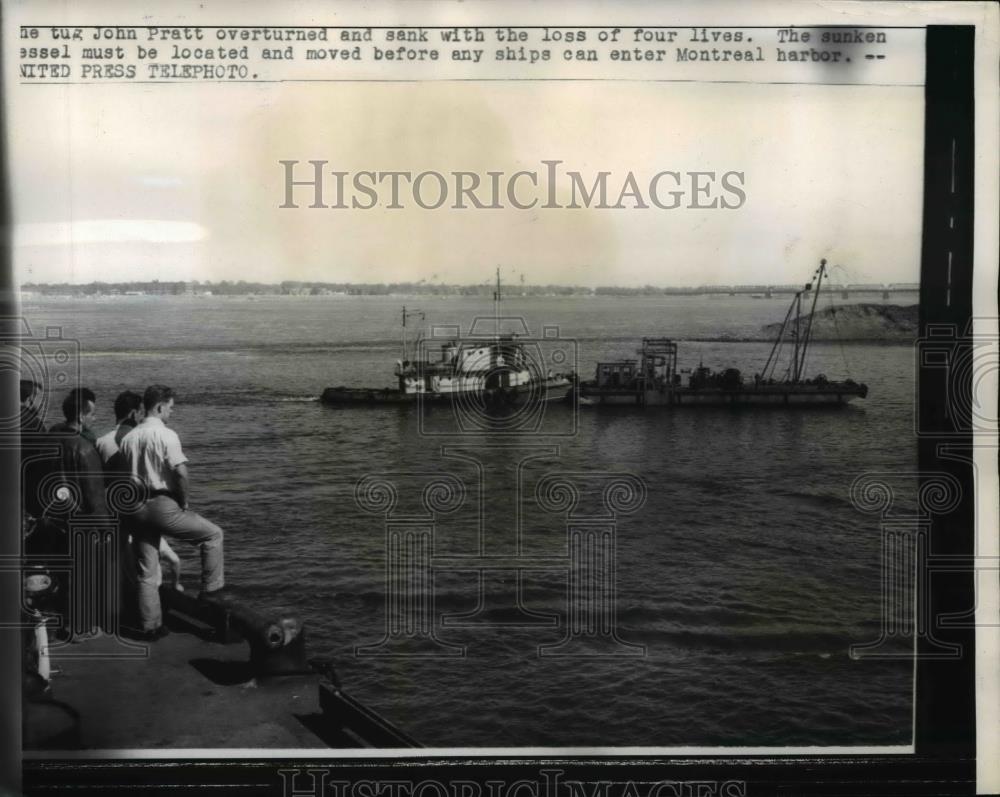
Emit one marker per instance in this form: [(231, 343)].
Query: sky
[(176, 182)]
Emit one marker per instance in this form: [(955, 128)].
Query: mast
[(795, 356), (405, 358), (812, 313), (798, 362), (496, 305), (407, 314)]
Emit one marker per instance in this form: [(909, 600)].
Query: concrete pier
[(226, 677)]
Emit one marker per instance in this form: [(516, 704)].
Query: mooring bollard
[(277, 645)]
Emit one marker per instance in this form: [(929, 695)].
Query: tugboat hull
[(552, 390)]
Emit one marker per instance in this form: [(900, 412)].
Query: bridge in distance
[(769, 291)]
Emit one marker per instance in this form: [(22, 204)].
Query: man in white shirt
[(154, 456), (128, 411)]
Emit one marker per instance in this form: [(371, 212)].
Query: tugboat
[(654, 380), (494, 372)]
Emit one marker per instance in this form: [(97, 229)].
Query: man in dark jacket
[(78, 462), (30, 420), (34, 451)]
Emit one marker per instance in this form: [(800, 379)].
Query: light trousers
[(162, 516)]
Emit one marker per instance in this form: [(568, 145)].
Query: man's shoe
[(220, 594), (150, 636)]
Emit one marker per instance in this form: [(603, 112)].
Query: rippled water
[(746, 574)]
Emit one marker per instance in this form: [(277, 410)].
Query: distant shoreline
[(568, 293)]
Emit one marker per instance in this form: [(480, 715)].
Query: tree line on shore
[(301, 288)]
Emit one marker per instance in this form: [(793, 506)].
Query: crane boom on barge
[(654, 379)]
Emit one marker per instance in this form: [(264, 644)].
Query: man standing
[(78, 460), (127, 407), (34, 464), (30, 422), (153, 455)]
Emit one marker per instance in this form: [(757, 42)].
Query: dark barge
[(654, 379)]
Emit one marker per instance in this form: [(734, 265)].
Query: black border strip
[(946, 705), (11, 666)]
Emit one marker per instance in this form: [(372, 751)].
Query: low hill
[(868, 322)]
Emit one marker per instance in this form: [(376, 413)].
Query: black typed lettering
[(406, 35)]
